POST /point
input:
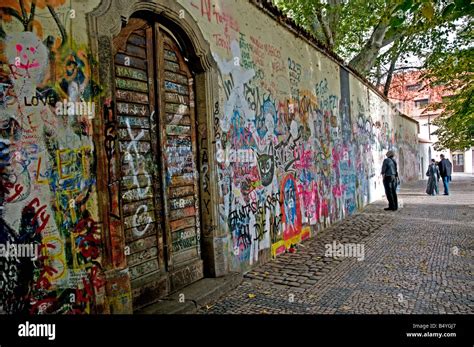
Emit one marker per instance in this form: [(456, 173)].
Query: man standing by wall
[(390, 175), (445, 168)]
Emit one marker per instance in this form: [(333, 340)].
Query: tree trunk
[(364, 61)]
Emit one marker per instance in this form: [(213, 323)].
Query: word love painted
[(39, 100), (37, 330)]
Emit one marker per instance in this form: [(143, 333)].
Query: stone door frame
[(104, 23)]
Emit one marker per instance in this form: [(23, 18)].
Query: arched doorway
[(159, 183)]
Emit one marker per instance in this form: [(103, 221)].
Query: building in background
[(412, 96)]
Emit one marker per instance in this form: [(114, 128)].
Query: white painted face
[(27, 57), (294, 129), (269, 123)]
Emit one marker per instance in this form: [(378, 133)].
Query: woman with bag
[(433, 174)]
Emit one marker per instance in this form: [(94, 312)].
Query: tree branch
[(325, 27), (365, 59), (333, 17), (397, 48)]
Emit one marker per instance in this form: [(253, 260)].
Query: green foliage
[(358, 30), (453, 67)]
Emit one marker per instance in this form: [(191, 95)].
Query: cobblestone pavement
[(417, 260)]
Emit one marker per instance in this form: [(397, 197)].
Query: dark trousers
[(390, 185), (446, 184)]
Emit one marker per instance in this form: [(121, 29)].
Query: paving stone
[(409, 266)]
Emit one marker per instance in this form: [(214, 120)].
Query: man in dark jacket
[(445, 169), (390, 176)]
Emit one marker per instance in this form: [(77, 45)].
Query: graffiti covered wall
[(48, 168), (299, 140), (295, 141)]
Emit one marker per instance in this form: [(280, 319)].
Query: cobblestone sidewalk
[(416, 260)]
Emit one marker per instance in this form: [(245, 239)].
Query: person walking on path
[(445, 168), (390, 178), (433, 174)]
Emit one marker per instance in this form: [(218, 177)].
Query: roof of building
[(422, 140)]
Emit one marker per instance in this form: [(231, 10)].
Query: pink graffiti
[(338, 190), (310, 198), (336, 157), (305, 160)]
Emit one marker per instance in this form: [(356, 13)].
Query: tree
[(453, 67), (372, 34)]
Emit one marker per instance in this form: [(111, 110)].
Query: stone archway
[(105, 23)]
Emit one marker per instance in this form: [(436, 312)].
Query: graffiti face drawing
[(27, 57), (266, 166)]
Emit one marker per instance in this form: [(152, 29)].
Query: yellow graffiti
[(303, 235), (54, 256), (63, 163), (38, 170)]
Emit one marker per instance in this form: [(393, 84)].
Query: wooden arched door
[(155, 113)]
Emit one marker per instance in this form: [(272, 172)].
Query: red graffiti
[(88, 244), (95, 280), (42, 246), (209, 12), (43, 281), (42, 305), (41, 213), (88, 248), (85, 295), (88, 292), (18, 189)]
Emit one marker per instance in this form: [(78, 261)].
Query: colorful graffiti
[(47, 176), (316, 152)]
